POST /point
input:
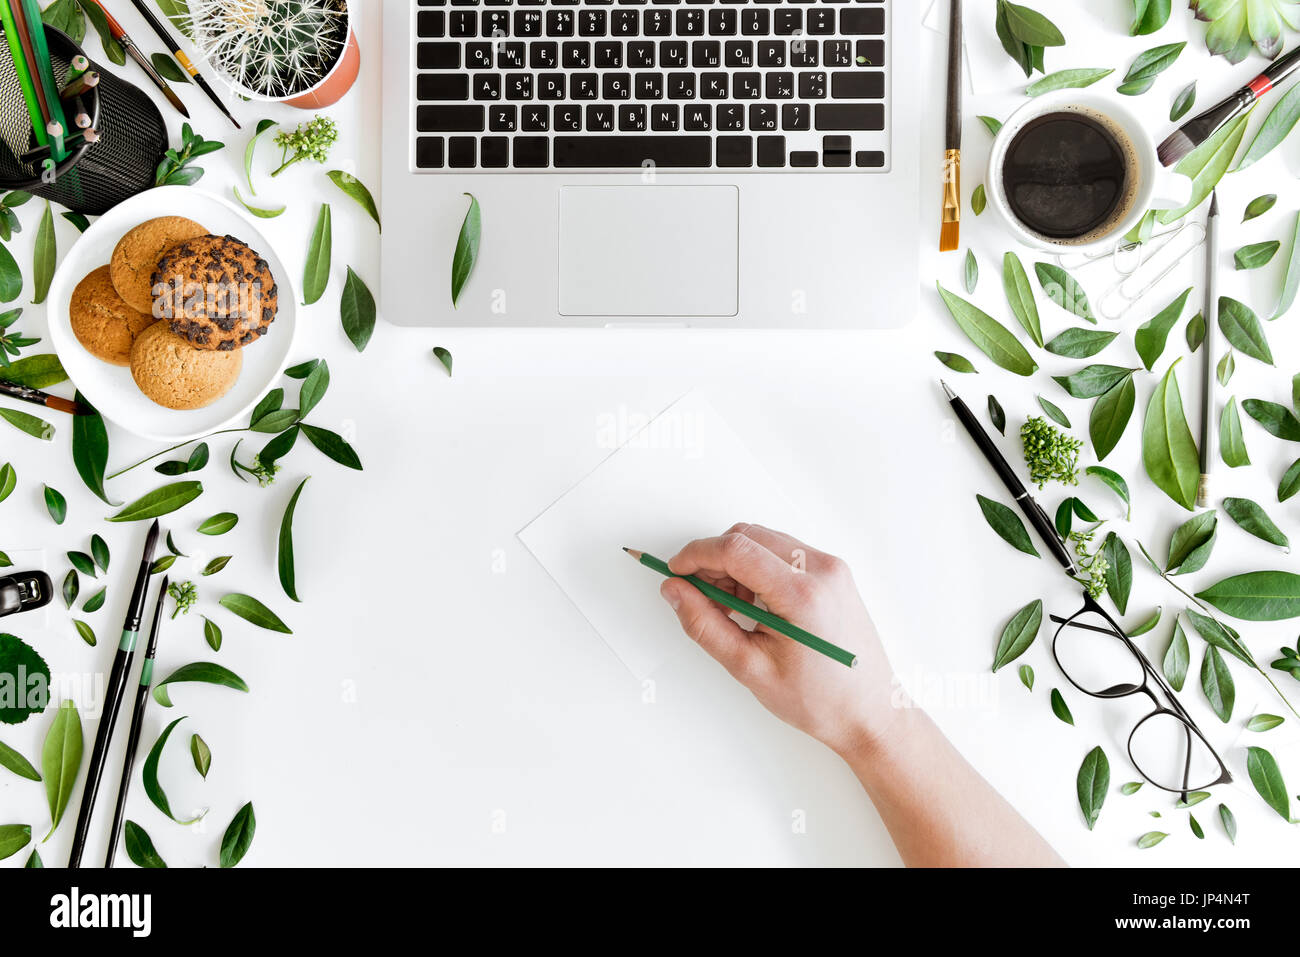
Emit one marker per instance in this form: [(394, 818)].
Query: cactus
[(274, 48)]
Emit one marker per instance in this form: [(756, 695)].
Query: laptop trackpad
[(649, 250)]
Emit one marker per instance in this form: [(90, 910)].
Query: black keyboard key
[(786, 23), (739, 54), (713, 86), (567, 119), (723, 23), (576, 54), (837, 53), (690, 23), (641, 54), (593, 23), (796, 116), (624, 23), (803, 158), (559, 23), (657, 23), (821, 22), (478, 56), (616, 86), (697, 118), (762, 116), (849, 116), (631, 152), (530, 152), (747, 86), (755, 23), (632, 118), (672, 53), (428, 152), (584, 86), (771, 151), (438, 56), (869, 159), (706, 54), (664, 117), (496, 23), (494, 152), (502, 119), (862, 21), (450, 119), (487, 86), (510, 56), (858, 85), (460, 152), (735, 151), (771, 53), (803, 53), (836, 150), (464, 23), (600, 119), (431, 24), (550, 86), (528, 23), (681, 86), (870, 53), (543, 55), (649, 86), (812, 86), (534, 119), (730, 116), (780, 86), (442, 86), (609, 55)]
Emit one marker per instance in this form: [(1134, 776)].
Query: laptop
[(688, 163)]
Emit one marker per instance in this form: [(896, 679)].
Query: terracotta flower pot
[(337, 82)]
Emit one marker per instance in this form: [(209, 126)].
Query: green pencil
[(762, 616)]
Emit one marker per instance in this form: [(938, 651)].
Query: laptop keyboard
[(600, 85)]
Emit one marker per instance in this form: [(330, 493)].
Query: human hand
[(848, 709)]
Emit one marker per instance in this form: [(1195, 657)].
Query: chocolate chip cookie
[(219, 294)]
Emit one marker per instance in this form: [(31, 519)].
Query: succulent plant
[(275, 48), (1237, 25)]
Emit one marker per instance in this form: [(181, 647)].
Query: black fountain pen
[(1033, 511), (113, 698)]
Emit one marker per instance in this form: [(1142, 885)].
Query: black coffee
[(1066, 177)]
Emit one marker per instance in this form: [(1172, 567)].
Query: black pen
[(113, 698), (1033, 511), (137, 724)]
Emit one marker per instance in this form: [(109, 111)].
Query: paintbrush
[(129, 45), (166, 36), (1200, 128), (1211, 314), (950, 233), (35, 396)]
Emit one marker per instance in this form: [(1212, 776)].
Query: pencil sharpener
[(25, 591)]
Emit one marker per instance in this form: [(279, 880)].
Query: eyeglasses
[(1166, 746)]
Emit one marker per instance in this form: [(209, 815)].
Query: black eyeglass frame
[(1150, 675)]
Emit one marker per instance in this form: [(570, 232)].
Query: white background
[(442, 702)]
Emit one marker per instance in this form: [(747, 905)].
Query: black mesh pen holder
[(95, 177)]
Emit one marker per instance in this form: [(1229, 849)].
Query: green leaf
[(201, 671), (1065, 518), (1152, 335), (357, 190), (1220, 636), (1267, 778), (1259, 206), (1256, 596), (1291, 282), (972, 272), (90, 450), (1148, 624), (1060, 709), (258, 211), (152, 786), (1007, 524), (1149, 16), (8, 481), (1092, 784), (1205, 166), (1064, 290), (1229, 822), (212, 634), (1031, 27), (1195, 332), (99, 549), (161, 565), (1183, 102), (13, 838), (45, 257), (36, 428), (71, 587), (15, 762), (1016, 49), (168, 69), (1110, 416), (313, 389), (1232, 444), (161, 501), (1279, 122), (1054, 413), (1254, 520), (66, 15), (201, 754), (1019, 634), (955, 362), (95, 601), (1020, 296), (316, 276), (177, 11), (251, 149), (444, 356), (1241, 327), (11, 276), (276, 422), (139, 847), (215, 566), (79, 220), (56, 505), (253, 611), (1075, 343), (994, 126), (1289, 485), (332, 445), (288, 577), (112, 48), (36, 372), (84, 630), (1264, 722), (358, 311), (1119, 571), (1216, 682), (979, 200), (219, 524), (1177, 659), (1027, 676), (467, 243), (1115, 482), (1092, 381), (1147, 66), (239, 836), (1276, 419), (1067, 80), (1132, 787), (1151, 839), (1168, 449), (61, 761), (1190, 547), (999, 417)]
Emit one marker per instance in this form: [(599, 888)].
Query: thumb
[(739, 651)]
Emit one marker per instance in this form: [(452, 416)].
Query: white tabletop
[(441, 700)]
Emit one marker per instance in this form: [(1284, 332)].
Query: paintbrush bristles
[(1200, 128), (949, 237), (1174, 149)]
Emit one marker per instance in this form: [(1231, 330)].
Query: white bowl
[(110, 388)]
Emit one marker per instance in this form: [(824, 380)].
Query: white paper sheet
[(686, 475)]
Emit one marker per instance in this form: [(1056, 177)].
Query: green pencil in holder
[(21, 70), (58, 123)]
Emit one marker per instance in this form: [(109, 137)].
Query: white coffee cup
[(1143, 164)]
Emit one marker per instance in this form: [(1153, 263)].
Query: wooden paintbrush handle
[(953, 135)]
